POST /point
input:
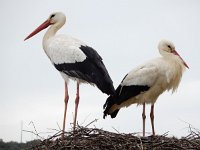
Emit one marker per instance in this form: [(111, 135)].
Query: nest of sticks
[(84, 138)]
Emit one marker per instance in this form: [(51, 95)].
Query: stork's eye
[(52, 16), (169, 46)]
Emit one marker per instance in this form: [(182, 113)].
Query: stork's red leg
[(143, 118), (152, 119), (65, 111), (76, 105)]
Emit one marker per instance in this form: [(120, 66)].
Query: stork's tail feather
[(107, 106), (104, 83), (106, 87)]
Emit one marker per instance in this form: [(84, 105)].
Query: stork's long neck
[(50, 33), (173, 58), (177, 60), (176, 68)]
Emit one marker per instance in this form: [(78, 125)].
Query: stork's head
[(56, 19), (167, 48)]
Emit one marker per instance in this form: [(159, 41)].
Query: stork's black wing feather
[(92, 70), (122, 94)]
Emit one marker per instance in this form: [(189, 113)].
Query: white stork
[(145, 83), (73, 59)]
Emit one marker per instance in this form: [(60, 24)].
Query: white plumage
[(73, 59), (145, 83), (64, 49)]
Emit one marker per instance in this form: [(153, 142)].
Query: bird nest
[(84, 138)]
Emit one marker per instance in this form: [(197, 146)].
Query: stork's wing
[(144, 75), (65, 49), (136, 81), (83, 62)]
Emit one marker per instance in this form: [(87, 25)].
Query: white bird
[(145, 83), (73, 59)]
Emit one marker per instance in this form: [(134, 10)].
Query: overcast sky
[(125, 33)]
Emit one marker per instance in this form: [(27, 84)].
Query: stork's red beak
[(41, 27), (176, 53)]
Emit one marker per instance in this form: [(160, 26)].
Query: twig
[(36, 134), (95, 120), (116, 130), (94, 138)]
